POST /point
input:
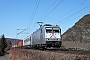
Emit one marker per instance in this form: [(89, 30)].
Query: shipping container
[(20, 43)]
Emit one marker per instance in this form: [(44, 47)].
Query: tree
[(9, 45), (3, 45)]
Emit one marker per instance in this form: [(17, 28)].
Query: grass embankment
[(29, 54)]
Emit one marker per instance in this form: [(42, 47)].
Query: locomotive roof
[(48, 25)]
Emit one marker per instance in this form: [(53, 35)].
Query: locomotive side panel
[(27, 41), (36, 37), (43, 35)]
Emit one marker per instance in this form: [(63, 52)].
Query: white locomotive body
[(53, 36), (46, 36)]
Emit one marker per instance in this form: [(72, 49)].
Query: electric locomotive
[(46, 36)]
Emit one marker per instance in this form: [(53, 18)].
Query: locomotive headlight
[(47, 39), (58, 39)]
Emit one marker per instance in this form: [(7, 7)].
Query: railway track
[(69, 51), (63, 50)]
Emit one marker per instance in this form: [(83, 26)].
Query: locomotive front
[(53, 36)]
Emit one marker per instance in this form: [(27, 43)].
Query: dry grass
[(27, 54)]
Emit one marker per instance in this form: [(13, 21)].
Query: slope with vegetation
[(78, 36)]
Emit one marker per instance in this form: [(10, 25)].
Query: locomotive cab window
[(48, 31), (56, 31)]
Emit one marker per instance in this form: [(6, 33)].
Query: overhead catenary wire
[(47, 9), (68, 12), (73, 18), (70, 19), (31, 31), (34, 11), (52, 10), (74, 14), (35, 26), (73, 8)]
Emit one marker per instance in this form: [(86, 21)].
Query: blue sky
[(23, 14)]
